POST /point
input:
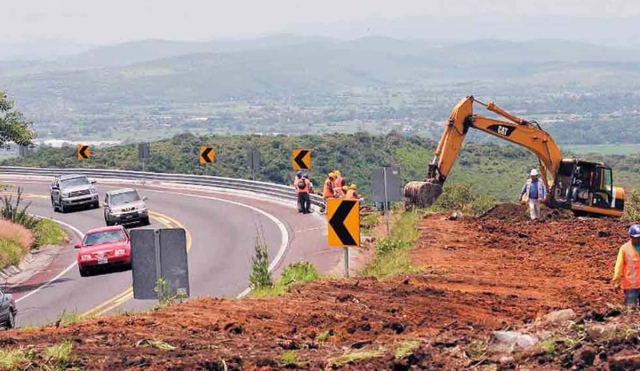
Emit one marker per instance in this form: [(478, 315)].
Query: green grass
[(289, 358), (293, 273), (391, 256), (406, 348), (60, 353), (603, 149), (12, 359), (356, 356), (67, 318), (11, 252), (48, 232), (323, 336), (368, 222)]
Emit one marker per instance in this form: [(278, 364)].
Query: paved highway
[(221, 230)]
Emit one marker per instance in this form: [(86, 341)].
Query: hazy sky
[(95, 22)]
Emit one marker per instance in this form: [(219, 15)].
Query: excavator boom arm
[(516, 130)]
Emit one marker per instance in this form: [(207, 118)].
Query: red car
[(100, 247)]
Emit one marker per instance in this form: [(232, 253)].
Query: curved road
[(221, 230)]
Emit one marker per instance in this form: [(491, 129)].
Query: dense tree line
[(492, 169)]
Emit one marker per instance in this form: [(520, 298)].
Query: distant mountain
[(40, 50), (148, 50), (164, 71), (448, 28)]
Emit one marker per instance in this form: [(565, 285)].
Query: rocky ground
[(488, 298)]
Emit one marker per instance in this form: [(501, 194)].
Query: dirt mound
[(515, 212), (479, 275)]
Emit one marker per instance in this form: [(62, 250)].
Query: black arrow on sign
[(337, 222), (299, 157), (205, 154), (82, 151)]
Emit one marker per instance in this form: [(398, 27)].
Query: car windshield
[(74, 182), (124, 198), (99, 238)]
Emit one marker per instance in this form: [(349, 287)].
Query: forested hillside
[(495, 170)]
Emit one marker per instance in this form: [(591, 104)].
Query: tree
[(13, 126)]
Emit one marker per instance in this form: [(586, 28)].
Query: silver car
[(125, 206), (73, 190), (8, 310)]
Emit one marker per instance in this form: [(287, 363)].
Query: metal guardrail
[(269, 189)]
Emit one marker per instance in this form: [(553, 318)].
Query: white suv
[(125, 206)]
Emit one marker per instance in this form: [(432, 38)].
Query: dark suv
[(8, 310), (73, 190)]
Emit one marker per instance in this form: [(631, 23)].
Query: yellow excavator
[(584, 187)]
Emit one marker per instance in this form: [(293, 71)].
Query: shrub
[(11, 211), (632, 207), (461, 197), (260, 277)]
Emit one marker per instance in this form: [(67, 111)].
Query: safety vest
[(351, 195), (307, 186), (337, 186), (541, 190), (631, 267), (327, 190)]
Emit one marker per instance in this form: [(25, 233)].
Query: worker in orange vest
[(303, 186), (338, 183), (352, 193), (327, 188), (627, 267)]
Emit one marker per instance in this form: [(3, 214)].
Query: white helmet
[(534, 172)]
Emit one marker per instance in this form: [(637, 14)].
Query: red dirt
[(496, 272)]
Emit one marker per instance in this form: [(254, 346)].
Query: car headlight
[(142, 211), (119, 252), (65, 194), (85, 257)]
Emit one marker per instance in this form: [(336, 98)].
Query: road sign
[(385, 183), (155, 254), (84, 152), (143, 150), (343, 218), (301, 159), (207, 155)]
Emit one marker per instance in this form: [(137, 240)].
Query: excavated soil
[(499, 271)]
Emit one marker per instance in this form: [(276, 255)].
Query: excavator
[(584, 187)]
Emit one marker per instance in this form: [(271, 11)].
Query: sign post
[(343, 225), (253, 161), (143, 153), (386, 189)]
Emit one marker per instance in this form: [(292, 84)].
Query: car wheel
[(63, 209), (96, 205), (108, 223), (53, 205), (11, 321), (83, 272), (146, 221)]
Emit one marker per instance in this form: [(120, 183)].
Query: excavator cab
[(586, 188)]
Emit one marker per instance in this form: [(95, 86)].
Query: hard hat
[(305, 175), (298, 173), (353, 186), (336, 172), (634, 231), (534, 172), (344, 188), (332, 175)]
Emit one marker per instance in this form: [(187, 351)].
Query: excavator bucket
[(422, 194)]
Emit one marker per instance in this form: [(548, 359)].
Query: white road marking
[(67, 269), (280, 224)]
